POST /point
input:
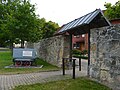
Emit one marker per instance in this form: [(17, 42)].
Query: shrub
[(84, 52), (79, 54), (75, 51)]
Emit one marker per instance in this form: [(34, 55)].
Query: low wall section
[(53, 49)]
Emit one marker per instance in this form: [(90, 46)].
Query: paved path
[(7, 82)]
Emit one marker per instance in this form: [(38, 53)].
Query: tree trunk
[(22, 43)]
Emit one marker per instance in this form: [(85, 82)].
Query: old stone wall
[(105, 55), (53, 49)]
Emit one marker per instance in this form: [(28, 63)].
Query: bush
[(75, 51), (79, 54), (84, 52)]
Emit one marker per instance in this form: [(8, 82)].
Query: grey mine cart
[(24, 56)]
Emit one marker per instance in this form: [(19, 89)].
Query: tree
[(18, 22), (4, 33), (48, 29), (26, 24), (112, 11), (21, 22)]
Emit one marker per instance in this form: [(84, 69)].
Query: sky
[(64, 11)]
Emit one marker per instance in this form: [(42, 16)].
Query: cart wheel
[(18, 63), (23, 63), (27, 63)]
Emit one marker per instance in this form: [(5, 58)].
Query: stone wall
[(105, 55), (53, 49)]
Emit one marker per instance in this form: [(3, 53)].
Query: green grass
[(70, 84), (6, 60)]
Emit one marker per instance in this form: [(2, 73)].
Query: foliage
[(6, 60), (69, 84), (80, 54), (84, 52), (18, 21), (82, 57), (112, 11), (3, 21), (75, 51), (48, 28)]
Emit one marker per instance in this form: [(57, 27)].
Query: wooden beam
[(63, 66), (88, 72), (70, 46), (73, 68)]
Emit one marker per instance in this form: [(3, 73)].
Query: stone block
[(104, 75)]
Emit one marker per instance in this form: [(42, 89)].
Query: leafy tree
[(26, 24), (21, 21), (4, 33), (112, 11), (18, 21), (48, 29)]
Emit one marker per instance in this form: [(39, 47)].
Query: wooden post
[(79, 64), (74, 68), (70, 47), (88, 72), (63, 66)]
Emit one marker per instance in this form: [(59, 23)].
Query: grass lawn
[(70, 84), (6, 60)]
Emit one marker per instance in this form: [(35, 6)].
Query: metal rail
[(63, 66)]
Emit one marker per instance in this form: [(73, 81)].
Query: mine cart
[(24, 57)]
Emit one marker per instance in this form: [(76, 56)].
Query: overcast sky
[(64, 11)]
